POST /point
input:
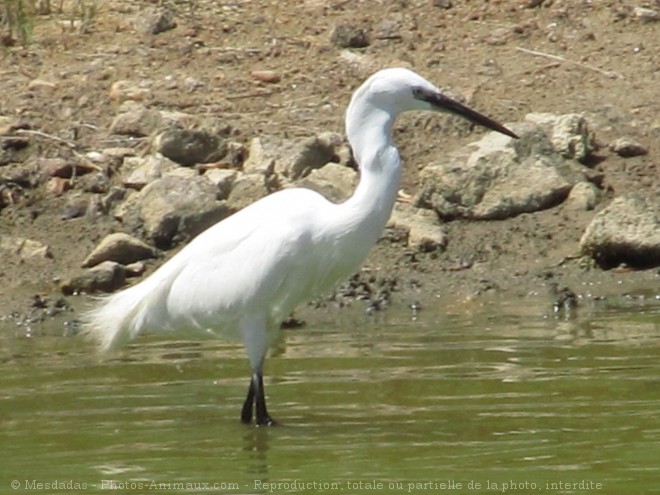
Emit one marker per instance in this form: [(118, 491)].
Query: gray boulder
[(189, 147), (154, 20), (121, 248), (294, 158), (105, 277), (246, 189), (173, 208), (335, 182), (568, 133), (25, 249), (498, 177), (425, 234), (627, 231), (139, 171), (223, 179), (134, 119)]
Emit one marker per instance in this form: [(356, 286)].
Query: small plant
[(17, 17)]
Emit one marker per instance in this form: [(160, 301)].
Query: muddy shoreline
[(279, 71)]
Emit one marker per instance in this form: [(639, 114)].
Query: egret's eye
[(418, 93)]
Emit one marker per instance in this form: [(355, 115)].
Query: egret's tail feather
[(121, 317)]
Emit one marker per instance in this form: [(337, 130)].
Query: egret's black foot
[(255, 402), (267, 422)]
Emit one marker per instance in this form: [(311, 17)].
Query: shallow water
[(491, 398)]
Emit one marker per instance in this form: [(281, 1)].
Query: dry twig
[(610, 74)]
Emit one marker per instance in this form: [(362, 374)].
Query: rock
[(58, 186), (247, 189), (262, 155), (136, 120), (54, 167), (627, 148), (106, 277), (644, 14), (8, 124), (137, 172), (94, 183), (627, 231), (66, 169), (425, 234), (25, 249), (443, 4), (349, 36), (569, 133), (499, 36), (388, 29), (41, 85), (223, 179), (267, 76), (498, 177), (135, 269), (236, 154), (75, 207), (113, 197), (118, 152), (18, 174), (363, 65), (124, 90), (191, 84), (293, 158), (172, 209), (583, 196), (183, 173), (121, 248), (189, 147), (154, 20), (14, 150), (335, 182)]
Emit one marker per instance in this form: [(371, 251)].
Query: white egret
[(246, 274)]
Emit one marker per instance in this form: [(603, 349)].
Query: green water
[(487, 399)]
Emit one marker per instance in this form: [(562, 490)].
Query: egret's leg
[(246, 412), (256, 398), (253, 328), (262, 416)]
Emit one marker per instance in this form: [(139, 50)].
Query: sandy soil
[(505, 58)]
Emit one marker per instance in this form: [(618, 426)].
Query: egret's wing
[(247, 262)]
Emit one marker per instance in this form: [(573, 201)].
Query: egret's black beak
[(446, 104)]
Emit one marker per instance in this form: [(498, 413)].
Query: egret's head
[(398, 90)]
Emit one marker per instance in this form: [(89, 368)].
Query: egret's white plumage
[(247, 273)]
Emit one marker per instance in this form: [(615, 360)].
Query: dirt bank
[(506, 58)]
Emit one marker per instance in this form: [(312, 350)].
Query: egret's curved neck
[(369, 131)]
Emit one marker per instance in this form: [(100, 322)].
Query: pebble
[(223, 179), (127, 90), (138, 121), (583, 196), (41, 85), (349, 36), (189, 147), (266, 76), (443, 4), (140, 171), (24, 248), (627, 148), (154, 20), (58, 186), (8, 124), (121, 248), (105, 277), (645, 15), (59, 167)]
